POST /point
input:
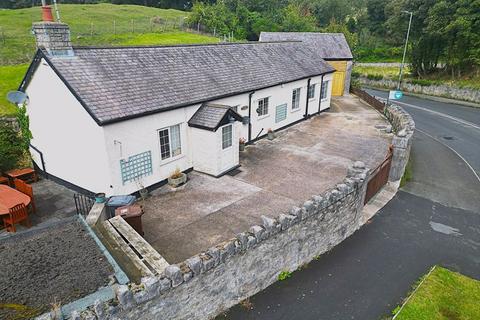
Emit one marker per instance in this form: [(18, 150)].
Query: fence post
[(114, 27), (198, 26), (91, 29), (133, 26), (2, 34)]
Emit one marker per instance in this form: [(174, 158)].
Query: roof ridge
[(187, 45)]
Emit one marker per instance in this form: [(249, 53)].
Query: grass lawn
[(10, 77), (92, 24), (444, 295)]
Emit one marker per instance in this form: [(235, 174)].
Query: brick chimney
[(54, 37)]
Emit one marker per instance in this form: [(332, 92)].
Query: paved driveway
[(304, 160)]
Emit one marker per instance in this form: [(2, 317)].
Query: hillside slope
[(97, 24), (94, 24)]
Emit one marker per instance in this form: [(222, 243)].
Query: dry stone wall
[(222, 276), (404, 127), (446, 91)]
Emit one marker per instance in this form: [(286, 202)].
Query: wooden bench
[(4, 180), (25, 174), (142, 255)]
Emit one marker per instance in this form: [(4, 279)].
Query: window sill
[(263, 117), (323, 100), (168, 160), (295, 110)]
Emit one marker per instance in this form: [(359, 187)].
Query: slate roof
[(211, 116), (331, 46), (119, 83)]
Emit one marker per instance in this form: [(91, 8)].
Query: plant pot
[(100, 197), (271, 135), (143, 193), (176, 182), (242, 146)]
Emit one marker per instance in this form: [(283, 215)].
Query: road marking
[(458, 154), (467, 123)]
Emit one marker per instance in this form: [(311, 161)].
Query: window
[(311, 91), (296, 99), (226, 137), (262, 109), (170, 144), (324, 92)]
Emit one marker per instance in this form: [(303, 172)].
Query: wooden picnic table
[(10, 197)]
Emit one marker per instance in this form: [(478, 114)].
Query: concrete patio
[(304, 160), (53, 203)]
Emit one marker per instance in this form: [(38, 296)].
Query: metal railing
[(83, 203), (371, 100)]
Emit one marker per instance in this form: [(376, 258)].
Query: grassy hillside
[(96, 24), (90, 25)]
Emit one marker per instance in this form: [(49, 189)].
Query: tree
[(335, 27), (295, 18)]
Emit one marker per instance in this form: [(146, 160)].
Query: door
[(228, 149), (338, 83)]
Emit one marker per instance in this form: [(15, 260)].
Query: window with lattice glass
[(170, 142), (324, 92), (311, 91), (262, 109), (227, 137), (296, 99)]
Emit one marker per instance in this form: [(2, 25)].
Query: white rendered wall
[(326, 102), (71, 142), (131, 137), (207, 153)]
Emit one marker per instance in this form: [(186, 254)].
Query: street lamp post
[(405, 49)]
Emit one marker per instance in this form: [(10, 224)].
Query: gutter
[(250, 115), (320, 95), (306, 105)]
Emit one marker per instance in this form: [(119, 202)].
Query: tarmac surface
[(370, 273)]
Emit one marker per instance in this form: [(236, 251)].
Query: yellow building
[(333, 48)]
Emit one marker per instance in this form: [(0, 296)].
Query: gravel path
[(56, 265)]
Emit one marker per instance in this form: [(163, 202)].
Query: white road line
[(458, 154), (470, 124)]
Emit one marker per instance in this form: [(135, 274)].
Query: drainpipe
[(320, 95), (306, 105), (250, 115)]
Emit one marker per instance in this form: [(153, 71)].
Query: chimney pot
[(47, 14)]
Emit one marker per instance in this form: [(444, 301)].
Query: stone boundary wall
[(213, 281), (404, 127), (446, 91)]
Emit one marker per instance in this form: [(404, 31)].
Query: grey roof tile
[(124, 82), (329, 45)]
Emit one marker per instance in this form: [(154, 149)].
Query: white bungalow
[(117, 119)]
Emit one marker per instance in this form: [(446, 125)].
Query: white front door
[(228, 150)]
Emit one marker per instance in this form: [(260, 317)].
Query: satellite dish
[(17, 97)]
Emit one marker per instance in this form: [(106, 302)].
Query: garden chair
[(16, 214), (25, 188)]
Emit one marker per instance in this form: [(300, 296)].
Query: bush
[(284, 275), (375, 77), (422, 82), (11, 148)]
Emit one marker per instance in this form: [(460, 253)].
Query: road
[(435, 219)]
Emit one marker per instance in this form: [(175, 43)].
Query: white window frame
[(171, 157), (325, 85), (263, 115), (313, 85), (296, 94), (231, 136)]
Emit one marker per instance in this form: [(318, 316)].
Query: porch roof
[(212, 116)]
